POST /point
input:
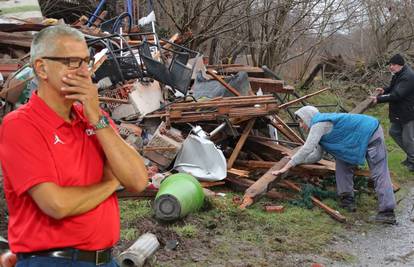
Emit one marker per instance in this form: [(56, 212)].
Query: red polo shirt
[(37, 146)]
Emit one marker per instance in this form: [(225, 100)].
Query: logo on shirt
[(57, 140), (90, 132)]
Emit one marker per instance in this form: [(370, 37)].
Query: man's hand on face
[(79, 87)]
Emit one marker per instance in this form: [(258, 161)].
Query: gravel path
[(383, 245)]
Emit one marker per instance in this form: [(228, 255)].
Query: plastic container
[(178, 195)]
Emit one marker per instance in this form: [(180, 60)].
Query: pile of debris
[(218, 123)]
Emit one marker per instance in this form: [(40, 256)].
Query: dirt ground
[(202, 249), (361, 245)]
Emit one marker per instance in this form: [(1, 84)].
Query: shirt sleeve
[(311, 151), (25, 157), (400, 91)]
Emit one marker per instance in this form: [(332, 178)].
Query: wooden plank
[(223, 66), (269, 86), (287, 104), (251, 101), (262, 185), (240, 143), (333, 213), (13, 27), (252, 71), (364, 105), (279, 124), (206, 184), (113, 100), (99, 63), (241, 173), (241, 184), (17, 39), (256, 164), (159, 148), (242, 113)]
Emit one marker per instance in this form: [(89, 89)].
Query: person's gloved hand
[(8, 259)]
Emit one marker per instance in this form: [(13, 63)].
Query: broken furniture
[(121, 63), (170, 66)]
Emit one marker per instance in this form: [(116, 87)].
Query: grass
[(187, 231), (131, 210), (283, 232)]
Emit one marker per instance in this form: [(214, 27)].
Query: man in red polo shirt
[(62, 162)]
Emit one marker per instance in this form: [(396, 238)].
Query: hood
[(306, 114)]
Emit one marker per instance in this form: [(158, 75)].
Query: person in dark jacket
[(400, 96)]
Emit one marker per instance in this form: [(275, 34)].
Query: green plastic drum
[(179, 195)]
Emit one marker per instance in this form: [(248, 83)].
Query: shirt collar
[(39, 106)]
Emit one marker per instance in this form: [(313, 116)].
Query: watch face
[(105, 120), (103, 123)]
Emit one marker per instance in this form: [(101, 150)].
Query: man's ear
[(39, 68)]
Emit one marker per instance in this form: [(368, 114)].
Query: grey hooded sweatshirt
[(311, 151)]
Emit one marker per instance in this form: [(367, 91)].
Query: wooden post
[(262, 185), (240, 143), (364, 105)]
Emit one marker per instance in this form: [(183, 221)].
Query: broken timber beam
[(364, 105), (279, 124), (241, 184), (113, 100), (262, 185), (333, 213), (323, 168), (269, 86), (302, 98), (240, 143), (251, 71), (17, 39)]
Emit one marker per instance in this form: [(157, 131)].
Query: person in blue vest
[(351, 139)]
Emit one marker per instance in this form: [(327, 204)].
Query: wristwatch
[(102, 123)]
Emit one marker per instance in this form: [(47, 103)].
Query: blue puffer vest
[(348, 140)]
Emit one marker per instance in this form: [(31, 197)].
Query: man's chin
[(68, 100)]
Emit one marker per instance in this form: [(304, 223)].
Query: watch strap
[(102, 123)]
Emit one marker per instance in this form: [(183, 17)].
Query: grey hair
[(44, 43)]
